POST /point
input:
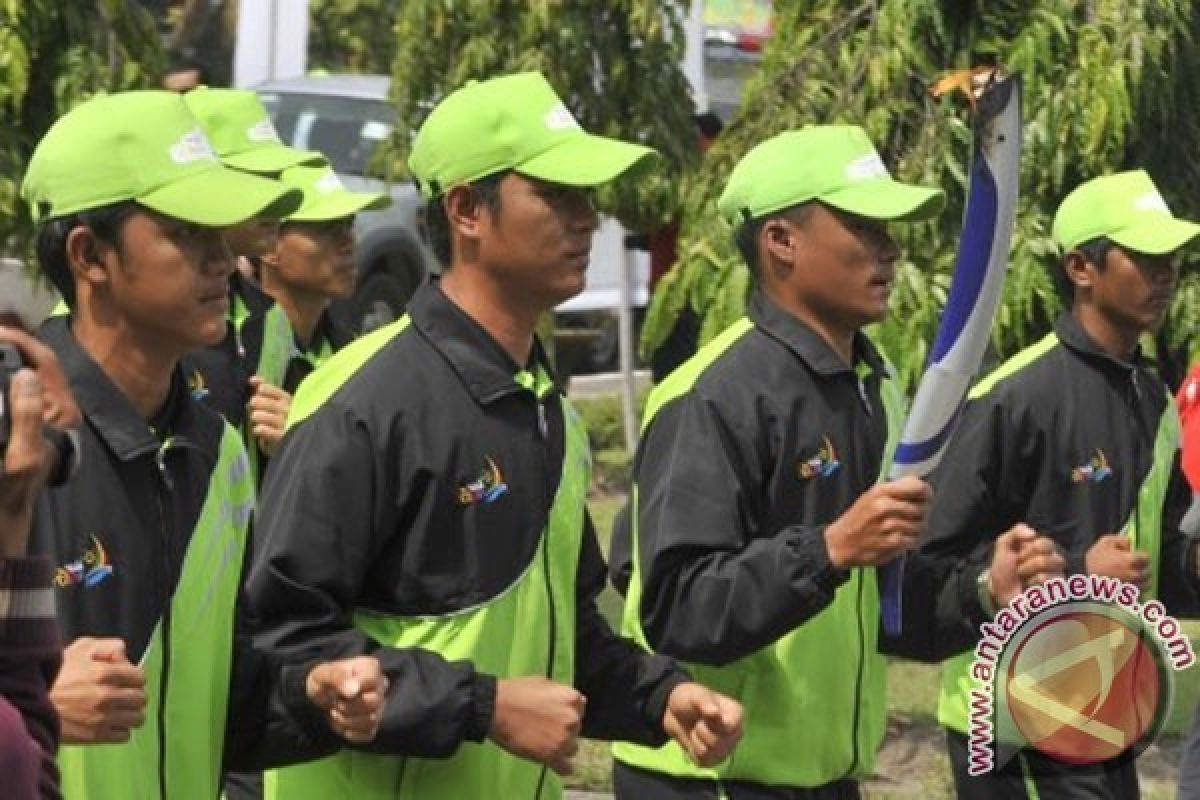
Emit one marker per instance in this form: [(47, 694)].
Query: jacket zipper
[(164, 487), (858, 622), (1143, 436), (543, 434), (858, 677)]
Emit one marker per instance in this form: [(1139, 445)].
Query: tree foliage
[(616, 63), (52, 56), (1109, 85), (353, 35)]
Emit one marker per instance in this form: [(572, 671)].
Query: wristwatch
[(983, 588)]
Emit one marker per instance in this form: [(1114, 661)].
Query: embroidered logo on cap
[(559, 118), (192, 146), (866, 167), (262, 131), (329, 183), (1151, 201)]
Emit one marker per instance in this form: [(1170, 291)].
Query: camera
[(10, 362), (65, 444)]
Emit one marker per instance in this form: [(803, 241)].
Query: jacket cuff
[(294, 693), (656, 703), (814, 553), (483, 707), (1076, 562), (968, 594)]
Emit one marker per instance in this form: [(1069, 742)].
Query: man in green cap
[(312, 264), (1077, 438), (149, 537), (753, 557), (427, 505), (243, 375)]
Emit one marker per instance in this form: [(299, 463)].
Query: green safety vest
[(278, 344), (1144, 529), (185, 752), (485, 635), (807, 722)]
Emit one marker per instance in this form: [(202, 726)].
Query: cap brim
[(887, 199), (336, 205), (585, 160), (273, 158), (1161, 235), (220, 196)]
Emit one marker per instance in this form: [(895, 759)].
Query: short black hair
[(186, 61), (105, 223), (1095, 252), (437, 224), (745, 236)]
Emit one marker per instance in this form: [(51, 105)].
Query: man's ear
[(777, 241), (1080, 271), (464, 211), (88, 256)]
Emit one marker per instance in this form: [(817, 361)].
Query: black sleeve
[(942, 613), (715, 588), (324, 517), (626, 687), (1178, 584), (263, 727), (982, 481)]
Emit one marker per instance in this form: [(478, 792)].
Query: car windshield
[(347, 130)]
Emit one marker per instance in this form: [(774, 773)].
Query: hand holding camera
[(38, 416)]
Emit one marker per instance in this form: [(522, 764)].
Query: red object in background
[(662, 252), (1188, 401)]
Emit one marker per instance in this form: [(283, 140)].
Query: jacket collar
[(806, 343), (1072, 334), (327, 333), (484, 367), (251, 295), (106, 408)]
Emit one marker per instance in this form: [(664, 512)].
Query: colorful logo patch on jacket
[(92, 569), (487, 488), (1094, 471), (821, 465), (197, 385)]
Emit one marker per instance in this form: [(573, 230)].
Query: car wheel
[(379, 300)]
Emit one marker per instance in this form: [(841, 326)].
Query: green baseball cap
[(513, 122), (1128, 209), (835, 164), (144, 146), (241, 131), (325, 197)]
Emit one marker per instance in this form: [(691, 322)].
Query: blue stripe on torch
[(970, 270)]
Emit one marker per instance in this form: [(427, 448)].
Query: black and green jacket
[(1077, 444), (749, 450), (327, 339), (427, 507), (258, 341), (148, 539)]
